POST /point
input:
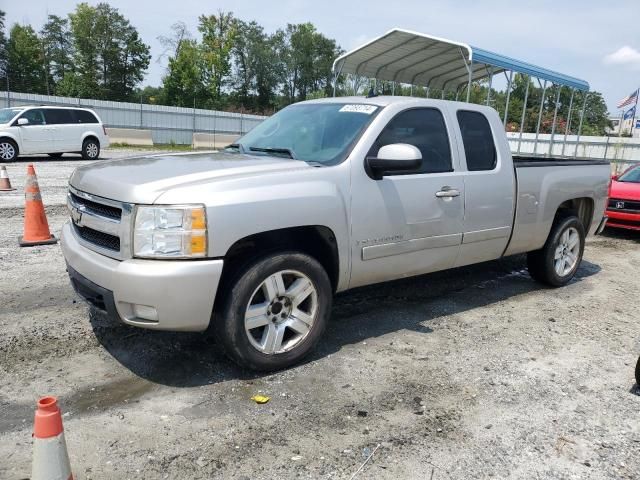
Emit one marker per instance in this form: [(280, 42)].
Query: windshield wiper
[(236, 145), (286, 151)]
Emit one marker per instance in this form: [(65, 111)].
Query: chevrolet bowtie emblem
[(76, 215)]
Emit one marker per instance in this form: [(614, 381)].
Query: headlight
[(170, 231)]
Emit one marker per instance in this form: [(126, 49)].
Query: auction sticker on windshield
[(359, 108)]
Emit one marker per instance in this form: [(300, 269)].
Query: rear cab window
[(58, 116), (477, 138)]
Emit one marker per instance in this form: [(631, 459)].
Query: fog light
[(145, 312)]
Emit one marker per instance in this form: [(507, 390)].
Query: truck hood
[(625, 190), (144, 179)]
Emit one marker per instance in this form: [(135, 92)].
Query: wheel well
[(314, 240), (90, 137), (581, 207), (9, 139)]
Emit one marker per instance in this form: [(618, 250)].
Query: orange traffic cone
[(50, 457), (36, 227), (5, 184)]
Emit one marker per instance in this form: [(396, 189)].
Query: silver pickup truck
[(251, 242)]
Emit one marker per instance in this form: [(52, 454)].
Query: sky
[(593, 40)]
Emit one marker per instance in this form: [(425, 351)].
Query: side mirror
[(23, 121), (614, 178), (394, 158)]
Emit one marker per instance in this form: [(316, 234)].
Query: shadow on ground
[(622, 234), (188, 360)]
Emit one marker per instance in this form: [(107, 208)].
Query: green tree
[(57, 49), (3, 51), (109, 56), (25, 60), (256, 69), (218, 37), (183, 85)]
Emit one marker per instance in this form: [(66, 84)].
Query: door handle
[(448, 192)]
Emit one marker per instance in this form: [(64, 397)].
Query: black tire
[(8, 150), (55, 155), (229, 321), (90, 149), (541, 263)]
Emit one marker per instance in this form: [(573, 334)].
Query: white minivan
[(50, 130)]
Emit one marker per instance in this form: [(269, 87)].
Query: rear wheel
[(90, 149), (8, 150), (55, 155), (275, 312), (556, 263)]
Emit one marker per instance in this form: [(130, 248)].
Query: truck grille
[(95, 207), (101, 239), (101, 224), (620, 205)]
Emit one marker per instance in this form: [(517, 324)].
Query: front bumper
[(617, 219), (173, 295)]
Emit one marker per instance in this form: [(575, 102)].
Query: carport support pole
[(470, 70), (535, 143), (555, 117), (335, 77), (584, 106), (524, 111), (506, 105), (566, 130), (490, 85)]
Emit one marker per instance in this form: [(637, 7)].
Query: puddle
[(107, 395), (89, 400)]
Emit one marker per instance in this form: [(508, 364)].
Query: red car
[(624, 200)]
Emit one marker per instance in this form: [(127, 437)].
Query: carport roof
[(419, 59)]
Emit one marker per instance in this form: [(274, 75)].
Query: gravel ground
[(472, 373)]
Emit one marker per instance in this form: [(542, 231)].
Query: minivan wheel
[(275, 312), (556, 263), (8, 150), (90, 149)]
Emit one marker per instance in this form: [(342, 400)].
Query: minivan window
[(34, 116), (83, 116), (56, 116), (479, 149), (423, 128)]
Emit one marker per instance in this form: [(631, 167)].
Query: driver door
[(36, 135), (404, 225)]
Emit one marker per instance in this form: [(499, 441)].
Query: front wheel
[(275, 311), (90, 149), (556, 263), (8, 150)]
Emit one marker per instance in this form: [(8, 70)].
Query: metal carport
[(404, 56)]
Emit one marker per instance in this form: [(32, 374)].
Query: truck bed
[(544, 183)]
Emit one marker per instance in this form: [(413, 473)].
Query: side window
[(83, 116), (425, 129), (34, 116), (479, 148), (57, 116)]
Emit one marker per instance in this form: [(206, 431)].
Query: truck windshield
[(319, 133), (6, 114), (632, 176)]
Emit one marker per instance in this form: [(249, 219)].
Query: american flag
[(628, 100)]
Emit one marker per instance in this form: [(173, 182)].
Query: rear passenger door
[(489, 185), (410, 223), (63, 130)]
